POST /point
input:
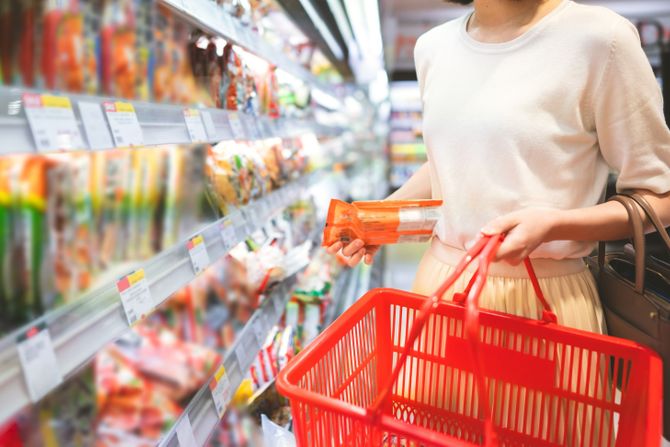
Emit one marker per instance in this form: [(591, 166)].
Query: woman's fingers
[(333, 249), (353, 247), (356, 258)]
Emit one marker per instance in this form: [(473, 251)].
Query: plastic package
[(381, 222), (275, 435)]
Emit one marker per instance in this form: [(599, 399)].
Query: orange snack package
[(381, 222)]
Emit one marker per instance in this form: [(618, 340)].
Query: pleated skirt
[(571, 291), (567, 284)]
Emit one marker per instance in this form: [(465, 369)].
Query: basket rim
[(287, 381)]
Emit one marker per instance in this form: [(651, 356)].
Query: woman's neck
[(503, 20)]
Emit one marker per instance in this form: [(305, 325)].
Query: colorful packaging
[(381, 222)]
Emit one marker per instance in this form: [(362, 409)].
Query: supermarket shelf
[(160, 123), (201, 412), (79, 330), (206, 15)]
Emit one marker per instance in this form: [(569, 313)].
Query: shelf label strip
[(38, 360), (52, 122), (135, 296), (197, 251)]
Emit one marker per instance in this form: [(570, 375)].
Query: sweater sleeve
[(628, 106), (420, 61)]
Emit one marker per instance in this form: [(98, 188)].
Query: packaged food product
[(381, 222)]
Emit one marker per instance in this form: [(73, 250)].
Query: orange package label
[(381, 222)]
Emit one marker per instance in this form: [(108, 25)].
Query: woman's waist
[(544, 267)]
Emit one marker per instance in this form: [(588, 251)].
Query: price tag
[(122, 120), (279, 305), (52, 122), (236, 126), (228, 234), (209, 125), (195, 125), (197, 251), (252, 127), (246, 350), (135, 296), (221, 392), (260, 332), (38, 360), (95, 126), (184, 431)]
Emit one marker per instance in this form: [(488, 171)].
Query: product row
[(66, 219), (137, 387), (140, 49)]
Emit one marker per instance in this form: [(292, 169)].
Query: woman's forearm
[(417, 187), (607, 221)]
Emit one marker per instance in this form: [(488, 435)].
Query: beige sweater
[(539, 121)]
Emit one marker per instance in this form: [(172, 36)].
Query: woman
[(528, 105)]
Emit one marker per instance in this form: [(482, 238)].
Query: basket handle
[(484, 248)]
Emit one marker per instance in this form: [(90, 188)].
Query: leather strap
[(652, 216), (638, 240)]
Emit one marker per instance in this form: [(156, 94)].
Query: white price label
[(228, 234), (279, 305), (221, 392), (135, 296), (184, 431), (209, 125), (195, 125), (236, 126), (122, 120), (197, 251), (259, 330), (38, 359), (246, 350), (97, 132), (52, 122)]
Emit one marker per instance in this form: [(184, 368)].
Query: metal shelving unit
[(160, 123), (79, 330), (206, 15)]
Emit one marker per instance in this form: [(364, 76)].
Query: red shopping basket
[(397, 369)]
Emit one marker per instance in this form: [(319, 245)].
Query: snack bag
[(381, 222)]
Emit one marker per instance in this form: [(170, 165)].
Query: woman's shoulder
[(597, 26), (438, 35)]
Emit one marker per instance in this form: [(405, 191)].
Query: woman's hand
[(354, 252), (525, 230)]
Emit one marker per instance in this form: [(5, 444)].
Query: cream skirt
[(567, 284), (571, 291)]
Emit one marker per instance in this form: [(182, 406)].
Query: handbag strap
[(638, 240), (652, 216)]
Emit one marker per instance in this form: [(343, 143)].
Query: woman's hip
[(567, 284)]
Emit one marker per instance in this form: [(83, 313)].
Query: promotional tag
[(210, 127), (195, 125), (260, 332), (52, 122), (279, 305), (38, 360), (135, 296), (95, 126), (228, 234), (236, 126), (246, 349), (197, 251), (221, 392), (123, 122), (184, 431)]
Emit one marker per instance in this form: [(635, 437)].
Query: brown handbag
[(635, 291)]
